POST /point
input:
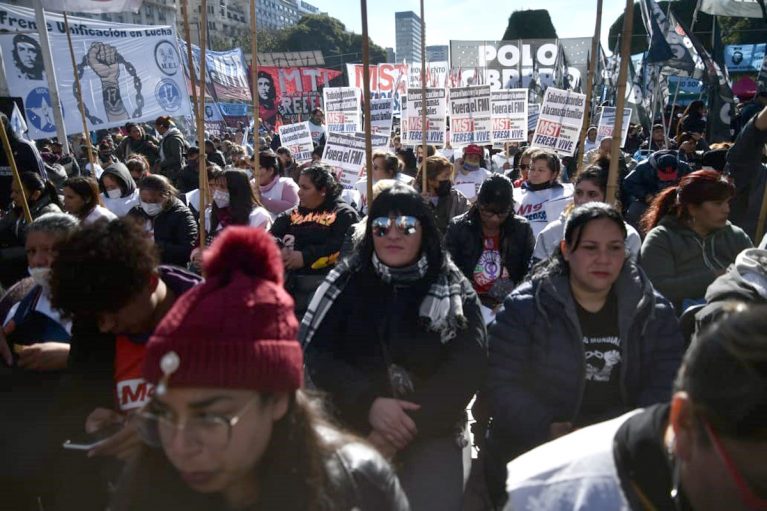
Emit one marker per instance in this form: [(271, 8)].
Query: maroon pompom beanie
[(237, 329)]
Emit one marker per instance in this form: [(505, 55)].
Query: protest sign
[(470, 115), (298, 138), (436, 122), (345, 152), (381, 115), (386, 81), (343, 109), (533, 111), (127, 72), (560, 120), (297, 91), (509, 115), (607, 123)]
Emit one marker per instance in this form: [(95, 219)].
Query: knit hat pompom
[(246, 250)]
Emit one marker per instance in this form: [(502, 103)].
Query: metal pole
[(50, 73), (201, 124), (424, 181), (15, 171), (79, 96), (366, 106), (589, 88), (612, 180)]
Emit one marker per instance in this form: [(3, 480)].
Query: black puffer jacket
[(464, 242), (175, 231)]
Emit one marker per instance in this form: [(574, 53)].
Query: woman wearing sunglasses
[(490, 244), (395, 337), (230, 426), (446, 202)]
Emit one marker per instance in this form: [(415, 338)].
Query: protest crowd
[(490, 330)]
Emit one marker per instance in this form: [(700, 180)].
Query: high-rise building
[(390, 56), (152, 12), (279, 14), (437, 53), (408, 36)]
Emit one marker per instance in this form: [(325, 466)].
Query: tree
[(733, 30), (317, 32), (530, 24)]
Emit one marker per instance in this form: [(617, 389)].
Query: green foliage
[(317, 32), (733, 30), (530, 24)]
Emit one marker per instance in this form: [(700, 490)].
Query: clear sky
[(471, 19)]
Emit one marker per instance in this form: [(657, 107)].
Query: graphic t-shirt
[(132, 391), (489, 267), (602, 349)]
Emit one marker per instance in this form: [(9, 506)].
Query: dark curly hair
[(101, 268), (322, 177)]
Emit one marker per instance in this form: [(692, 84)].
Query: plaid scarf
[(440, 311)]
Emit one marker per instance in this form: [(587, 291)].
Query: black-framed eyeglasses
[(488, 212), (407, 225), (159, 427)]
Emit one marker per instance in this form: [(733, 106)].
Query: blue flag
[(655, 23)]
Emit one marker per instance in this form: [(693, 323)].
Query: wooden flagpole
[(79, 94), (201, 121), (190, 61), (620, 101), (254, 79), (366, 99), (15, 170), (424, 181), (589, 88)]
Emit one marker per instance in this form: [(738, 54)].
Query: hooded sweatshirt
[(681, 264), (129, 198), (744, 282)]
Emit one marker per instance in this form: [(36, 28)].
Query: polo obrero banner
[(127, 72)]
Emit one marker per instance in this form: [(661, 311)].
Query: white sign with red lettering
[(560, 121)]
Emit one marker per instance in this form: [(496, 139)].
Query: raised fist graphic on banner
[(105, 62)]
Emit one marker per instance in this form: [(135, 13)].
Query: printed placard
[(343, 109), (298, 138), (436, 121), (560, 120), (509, 115), (470, 121)]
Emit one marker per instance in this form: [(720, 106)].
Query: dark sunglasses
[(523, 166), (405, 224), (493, 212)]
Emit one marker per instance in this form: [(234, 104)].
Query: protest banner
[(470, 115), (381, 115), (298, 138), (509, 115), (120, 82), (345, 152), (297, 91), (559, 122), (502, 62), (343, 112), (607, 123), (744, 58), (386, 81), (411, 127)]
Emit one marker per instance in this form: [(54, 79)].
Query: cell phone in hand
[(87, 441)]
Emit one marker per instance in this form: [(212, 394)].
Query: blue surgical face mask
[(470, 167)]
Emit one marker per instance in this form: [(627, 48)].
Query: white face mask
[(115, 193), (221, 198), (40, 276), (150, 208)]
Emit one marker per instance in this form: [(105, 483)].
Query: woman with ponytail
[(42, 198), (690, 241)]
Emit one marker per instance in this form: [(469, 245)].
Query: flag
[(655, 24), (92, 6), (762, 78), (17, 123), (736, 8), (721, 98), (687, 62)]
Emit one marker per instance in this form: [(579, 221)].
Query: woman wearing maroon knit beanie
[(229, 427)]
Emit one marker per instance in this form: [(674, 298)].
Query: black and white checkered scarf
[(440, 311)]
